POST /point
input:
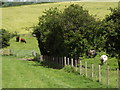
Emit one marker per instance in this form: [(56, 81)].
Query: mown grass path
[(27, 74)]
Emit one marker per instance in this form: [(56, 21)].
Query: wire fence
[(100, 73), (18, 53)]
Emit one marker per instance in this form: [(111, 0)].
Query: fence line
[(5, 52), (86, 69)]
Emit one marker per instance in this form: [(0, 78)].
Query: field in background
[(21, 17)]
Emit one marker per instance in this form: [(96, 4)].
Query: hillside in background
[(20, 18)]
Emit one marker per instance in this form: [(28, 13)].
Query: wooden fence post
[(76, 65), (56, 60), (80, 68), (9, 51), (41, 57), (86, 69), (53, 59), (59, 60), (118, 78), (99, 73), (67, 61), (72, 62), (64, 61), (92, 71), (108, 75), (2, 51)]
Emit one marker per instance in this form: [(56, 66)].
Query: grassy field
[(28, 74), (24, 49), (20, 17), (17, 73)]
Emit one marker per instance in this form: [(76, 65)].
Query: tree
[(68, 33), (113, 32), (4, 38)]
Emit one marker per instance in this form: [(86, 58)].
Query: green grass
[(18, 18), (0, 72), (111, 62), (27, 74), (24, 49)]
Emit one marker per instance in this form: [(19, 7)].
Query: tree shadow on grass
[(47, 64)]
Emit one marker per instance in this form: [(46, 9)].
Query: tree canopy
[(73, 31), (68, 33), (113, 32)]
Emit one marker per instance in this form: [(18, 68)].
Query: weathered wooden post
[(76, 65), (41, 57), (57, 60), (60, 60), (92, 71), (44, 57), (80, 68), (67, 61), (72, 62), (86, 69), (53, 59), (99, 73), (118, 78), (108, 75), (3, 52), (9, 51), (64, 61)]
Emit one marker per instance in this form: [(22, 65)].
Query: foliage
[(68, 33), (4, 38), (9, 4), (112, 26)]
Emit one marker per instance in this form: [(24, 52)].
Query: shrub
[(4, 38), (69, 33)]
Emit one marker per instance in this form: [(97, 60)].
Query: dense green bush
[(69, 33), (4, 38), (73, 31), (112, 28)]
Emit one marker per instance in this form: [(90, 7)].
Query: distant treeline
[(9, 4)]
